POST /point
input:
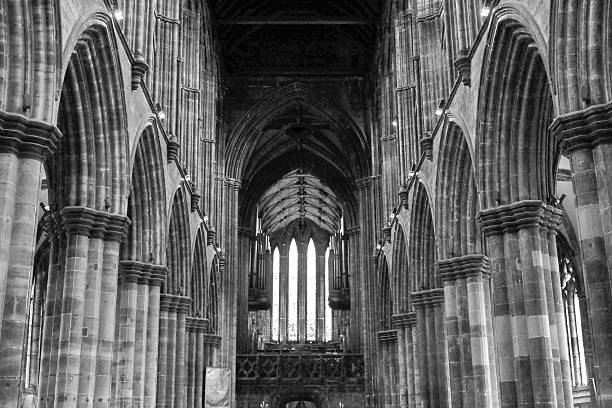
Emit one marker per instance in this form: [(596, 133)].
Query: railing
[(300, 368)]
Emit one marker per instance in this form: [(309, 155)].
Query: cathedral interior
[(305, 204)]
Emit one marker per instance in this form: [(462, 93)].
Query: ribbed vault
[(299, 195), (293, 129)]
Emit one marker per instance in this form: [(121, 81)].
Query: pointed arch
[(90, 167), (199, 274), (456, 195), (400, 275), (212, 300), (422, 250), (516, 154), (384, 300), (178, 252), (147, 201)]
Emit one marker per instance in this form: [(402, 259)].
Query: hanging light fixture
[(485, 11)]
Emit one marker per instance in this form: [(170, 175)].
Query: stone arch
[(384, 298), (212, 299), (178, 252), (30, 59), (199, 274), (456, 195), (90, 168), (515, 152), (581, 51), (422, 250), (285, 396), (147, 201), (400, 271)]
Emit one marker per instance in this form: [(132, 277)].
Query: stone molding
[(210, 236), (172, 150), (92, 223), (139, 69), (196, 324), (404, 320), (212, 340), (426, 298), (352, 231), (584, 129), (172, 303), (195, 198), (463, 64), (25, 137), (387, 336), (142, 273), (462, 267), (522, 214)]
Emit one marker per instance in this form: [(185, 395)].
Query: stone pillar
[(320, 248), (387, 341), (466, 286), (586, 135), (429, 307), (171, 377), (82, 290), (24, 145), (407, 369), (137, 310), (302, 248), (283, 287), (195, 361), (530, 337)]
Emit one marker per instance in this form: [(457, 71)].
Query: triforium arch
[(519, 216)]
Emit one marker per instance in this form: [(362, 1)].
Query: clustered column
[(469, 331), (171, 363), (388, 366), (530, 332), (430, 345), (196, 361), (24, 145), (586, 136), (137, 328), (320, 248), (407, 357), (79, 328), (283, 291)]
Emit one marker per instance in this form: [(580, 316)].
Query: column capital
[(212, 340), (172, 303), (142, 273), (387, 336), (26, 137), (196, 324), (522, 214), (352, 231), (426, 298), (584, 129), (463, 267), (245, 232), (404, 320), (94, 223)]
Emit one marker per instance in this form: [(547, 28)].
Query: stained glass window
[(311, 293), (292, 295), (275, 293)]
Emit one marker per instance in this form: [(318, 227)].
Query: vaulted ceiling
[(299, 196), (280, 36)]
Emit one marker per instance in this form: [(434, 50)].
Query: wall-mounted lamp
[(160, 112), (45, 207), (485, 11), (118, 14), (440, 108), (394, 123)]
